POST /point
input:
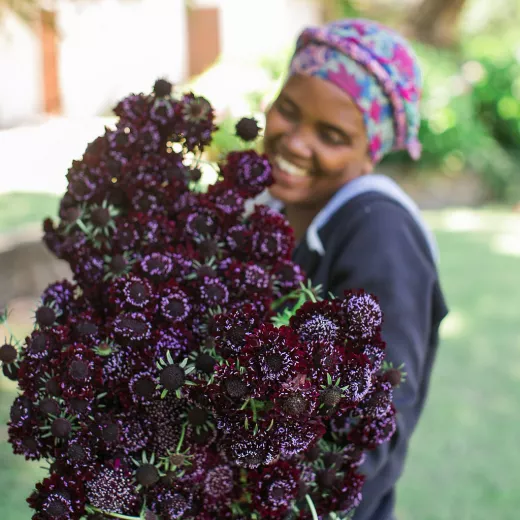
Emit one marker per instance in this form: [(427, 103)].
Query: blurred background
[(65, 63)]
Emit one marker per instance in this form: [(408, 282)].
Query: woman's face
[(315, 138)]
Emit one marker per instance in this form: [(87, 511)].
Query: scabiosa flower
[(80, 372), (250, 172), (274, 488), (149, 137), (239, 240), (175, 305), (59, 294), (357, 378), (175, 341), (89, 269), (162, 111), (143, 387), (348, 492), (8, 353), (132, 292), (117, 367), (274, 354), (123, 137), (202, 223), (369, 432), (58, 498), (112, 490), (287, 276), (378, 402), (219, 482), (230, 385), (362, 313), (247, 129), (230, 329), (297, 401), (197, 124), (213, 292), (27, 441), (157, 266), (250, 451), (296, 437), (229, 202), (171, 502), (126, 235), (21, 411), (81, 186), (79, 454), (134, 108), (249, 277), (135, 432), (317, 321), (273, 238), (132, 326)]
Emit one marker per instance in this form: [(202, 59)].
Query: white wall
[(112, 47), (255, 28), (109, 48), (20, 72)]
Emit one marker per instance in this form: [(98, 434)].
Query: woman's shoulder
[(380, 219)]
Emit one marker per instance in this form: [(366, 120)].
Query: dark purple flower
[(143, 387), (213, 292), (157, 266), (249, 172), (132, 326), (318, 321), (362, 313), (112, 490), (219, 482), (175, 305), (274, 488)]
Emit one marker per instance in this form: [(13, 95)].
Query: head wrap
[(377, 68)]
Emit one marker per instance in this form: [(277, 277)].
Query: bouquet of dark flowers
[(190, 371)]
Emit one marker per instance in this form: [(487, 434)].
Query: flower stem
[(115, 515), (253, 407), (181, 440), (311, 507)]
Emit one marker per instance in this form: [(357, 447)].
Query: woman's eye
[(286, 111), (333, 138)]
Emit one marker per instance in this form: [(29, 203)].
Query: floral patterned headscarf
[(378, 69)]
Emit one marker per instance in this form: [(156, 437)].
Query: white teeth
[(290, 168)]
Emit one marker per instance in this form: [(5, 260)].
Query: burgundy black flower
[(112, 490), (274, 488), (362, 313)]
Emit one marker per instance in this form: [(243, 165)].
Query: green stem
[(115, 515), (82, 226), (253, 407), (311, 507), (181, 440)]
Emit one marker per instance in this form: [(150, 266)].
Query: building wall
[(108, 48), (20, 72), (112, 47)]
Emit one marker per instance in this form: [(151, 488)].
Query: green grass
[(20, 209), (464, 459)]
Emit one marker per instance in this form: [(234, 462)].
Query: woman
[(351, 97)]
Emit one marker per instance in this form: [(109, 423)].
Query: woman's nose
[(298, 143)]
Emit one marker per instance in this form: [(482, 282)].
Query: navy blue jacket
[(373, 238)]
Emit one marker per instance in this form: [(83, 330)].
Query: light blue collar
[(366, 183)]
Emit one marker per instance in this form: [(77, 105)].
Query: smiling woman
[(352, 96), (316, 139)]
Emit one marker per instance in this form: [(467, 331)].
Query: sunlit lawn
[(464, 459)]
